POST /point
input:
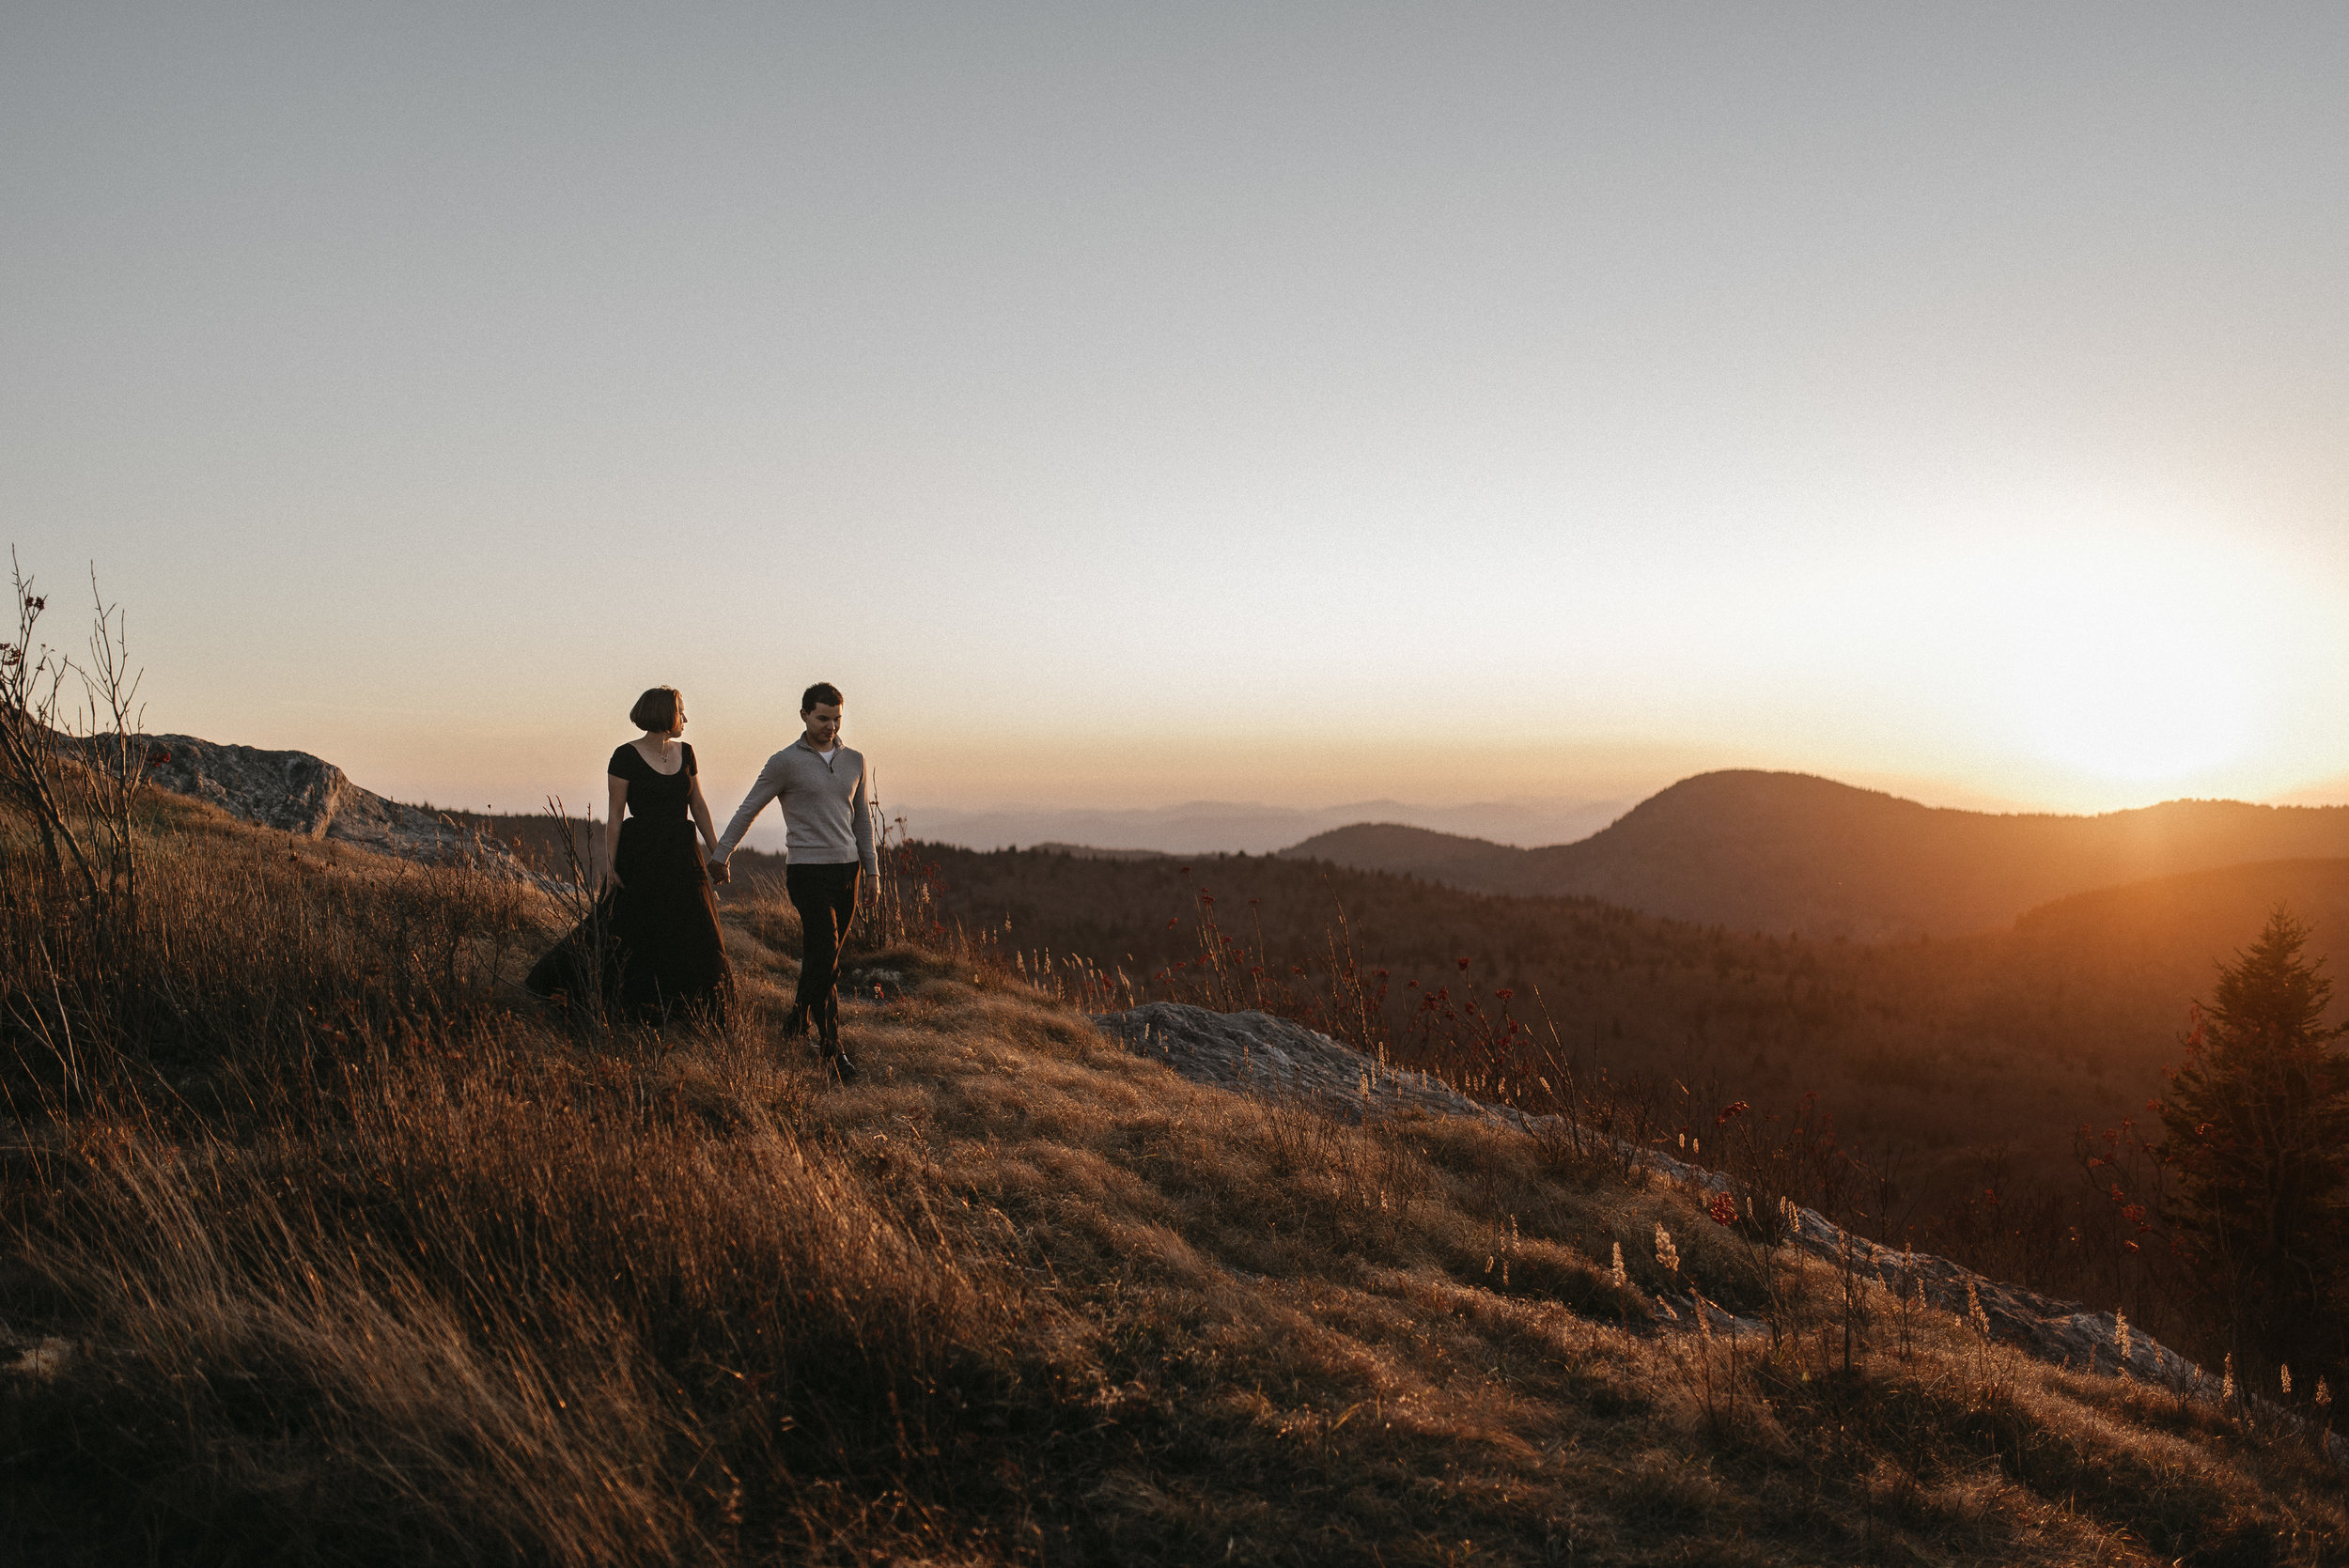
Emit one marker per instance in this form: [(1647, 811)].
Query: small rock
[(45, 1360), (874, 984)]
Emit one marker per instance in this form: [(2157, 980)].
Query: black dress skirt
[(652, 945)]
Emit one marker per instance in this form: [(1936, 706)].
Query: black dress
[(653, 941)]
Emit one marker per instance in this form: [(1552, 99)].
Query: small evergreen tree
[(2257, 1127)]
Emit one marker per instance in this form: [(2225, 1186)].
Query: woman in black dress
[(661, 954)]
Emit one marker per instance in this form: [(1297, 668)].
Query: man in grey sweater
[(828, 839)]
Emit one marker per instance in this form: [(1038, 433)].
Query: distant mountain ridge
[(1210, 826), (1792, 852)]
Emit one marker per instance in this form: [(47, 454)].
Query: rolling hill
[(1790, 852)]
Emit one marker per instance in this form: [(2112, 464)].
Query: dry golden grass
[(341, 1250)]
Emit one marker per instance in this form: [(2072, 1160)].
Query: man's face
[(823, 725)]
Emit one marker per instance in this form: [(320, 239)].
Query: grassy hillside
[(1969, 1064), (318, 1242), (1787, 852), (1976, 1059)]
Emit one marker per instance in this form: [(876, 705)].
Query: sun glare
[(2136, 666), (2108, 696)]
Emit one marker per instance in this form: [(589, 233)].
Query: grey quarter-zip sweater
[(826, 812)]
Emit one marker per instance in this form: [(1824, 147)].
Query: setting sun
[(2135, 677), (2134, 656)]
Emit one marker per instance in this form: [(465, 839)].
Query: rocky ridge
[(310, 798), (1255, 1054)]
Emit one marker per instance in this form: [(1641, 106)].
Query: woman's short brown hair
[(658, 709)]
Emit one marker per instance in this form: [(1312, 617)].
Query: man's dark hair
[(822, 691), (657, 708)]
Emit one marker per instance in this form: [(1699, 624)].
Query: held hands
[(719, 875)]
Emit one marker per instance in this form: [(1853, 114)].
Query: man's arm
[(769, 785), (861, 811)]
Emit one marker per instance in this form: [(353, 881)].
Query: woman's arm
[(612, 829), (701, 816)]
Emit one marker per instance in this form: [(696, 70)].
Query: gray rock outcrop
[(1257, 1053), (310, 798)]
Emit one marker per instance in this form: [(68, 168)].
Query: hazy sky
[(1132, 404)]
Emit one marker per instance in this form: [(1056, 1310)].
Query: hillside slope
[(404, 1269), (1789, 852), (1996, 1046)]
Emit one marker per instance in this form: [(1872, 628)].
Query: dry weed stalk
[(59, 768)]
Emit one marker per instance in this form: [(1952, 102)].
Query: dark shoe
[(840, 1064)]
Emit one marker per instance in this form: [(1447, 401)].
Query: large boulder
[(310, 798)]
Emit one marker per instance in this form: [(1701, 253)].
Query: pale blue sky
[(1134, 404)]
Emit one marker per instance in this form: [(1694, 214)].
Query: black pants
[(825, 895)]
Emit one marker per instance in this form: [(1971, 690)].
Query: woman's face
[(678, 728)]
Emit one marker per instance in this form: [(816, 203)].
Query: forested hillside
[(2005, 1039)]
